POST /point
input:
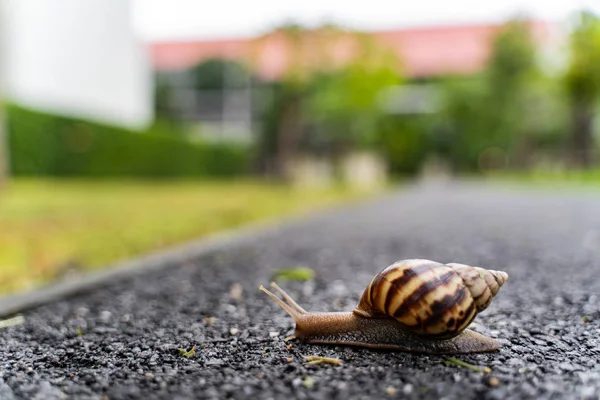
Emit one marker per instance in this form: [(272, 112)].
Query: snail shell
[(430, 299)]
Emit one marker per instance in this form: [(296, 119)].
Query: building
[(425, 52), (76, 58)]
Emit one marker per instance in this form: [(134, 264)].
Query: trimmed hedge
[(45, 144)]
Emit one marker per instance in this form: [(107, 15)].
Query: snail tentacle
[(288, 299), (291, 311)]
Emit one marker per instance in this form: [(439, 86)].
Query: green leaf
[(294, 274), (188, 353)]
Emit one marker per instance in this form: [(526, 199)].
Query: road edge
[(16, 303)]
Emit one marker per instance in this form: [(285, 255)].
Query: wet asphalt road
[(121, 340)]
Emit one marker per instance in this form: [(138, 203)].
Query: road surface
[(121, 340)]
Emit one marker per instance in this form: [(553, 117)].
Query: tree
[(582, 82), (330, 79), (217, 73), (178, 96), (345, 103), (509, 79), (490, 110), (300, 46)]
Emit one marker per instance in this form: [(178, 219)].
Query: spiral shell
[(430, 299)]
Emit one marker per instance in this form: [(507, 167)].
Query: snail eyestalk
[(288, 299), (293, 309)]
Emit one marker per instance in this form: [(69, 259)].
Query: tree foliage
[(582, 83), (216, 74), (345, 104), (323, 103), (490, 110)]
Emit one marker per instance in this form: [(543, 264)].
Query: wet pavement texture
[(122, 340)]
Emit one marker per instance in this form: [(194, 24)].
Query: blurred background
[(127, 126)]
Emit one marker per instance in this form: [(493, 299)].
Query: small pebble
[(105, 317), (587, 391), (308, 382), (493, 381), (558, 301), (236, 291), (214, 362), (391, 391), (82, 311)]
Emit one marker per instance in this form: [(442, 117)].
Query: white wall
[(76, 57)]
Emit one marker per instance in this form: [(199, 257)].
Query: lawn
[(552, 179), (50, 228)]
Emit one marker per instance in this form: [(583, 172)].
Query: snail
[(413, 305)]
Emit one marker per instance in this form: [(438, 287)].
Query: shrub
[(46, 144)]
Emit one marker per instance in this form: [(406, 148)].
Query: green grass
[(49, 228), (552, 179)]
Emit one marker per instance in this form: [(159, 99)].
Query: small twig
[(189, 353), (313, 360), (454, 361), (18, 320)]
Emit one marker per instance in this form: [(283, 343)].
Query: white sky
[(193, 19)]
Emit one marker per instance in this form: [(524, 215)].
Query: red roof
[(423, 51)]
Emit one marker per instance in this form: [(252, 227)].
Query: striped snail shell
[(429, 298)]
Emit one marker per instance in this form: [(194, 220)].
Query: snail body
[(412, 305)]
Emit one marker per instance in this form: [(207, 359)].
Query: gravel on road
[(127, 339)]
